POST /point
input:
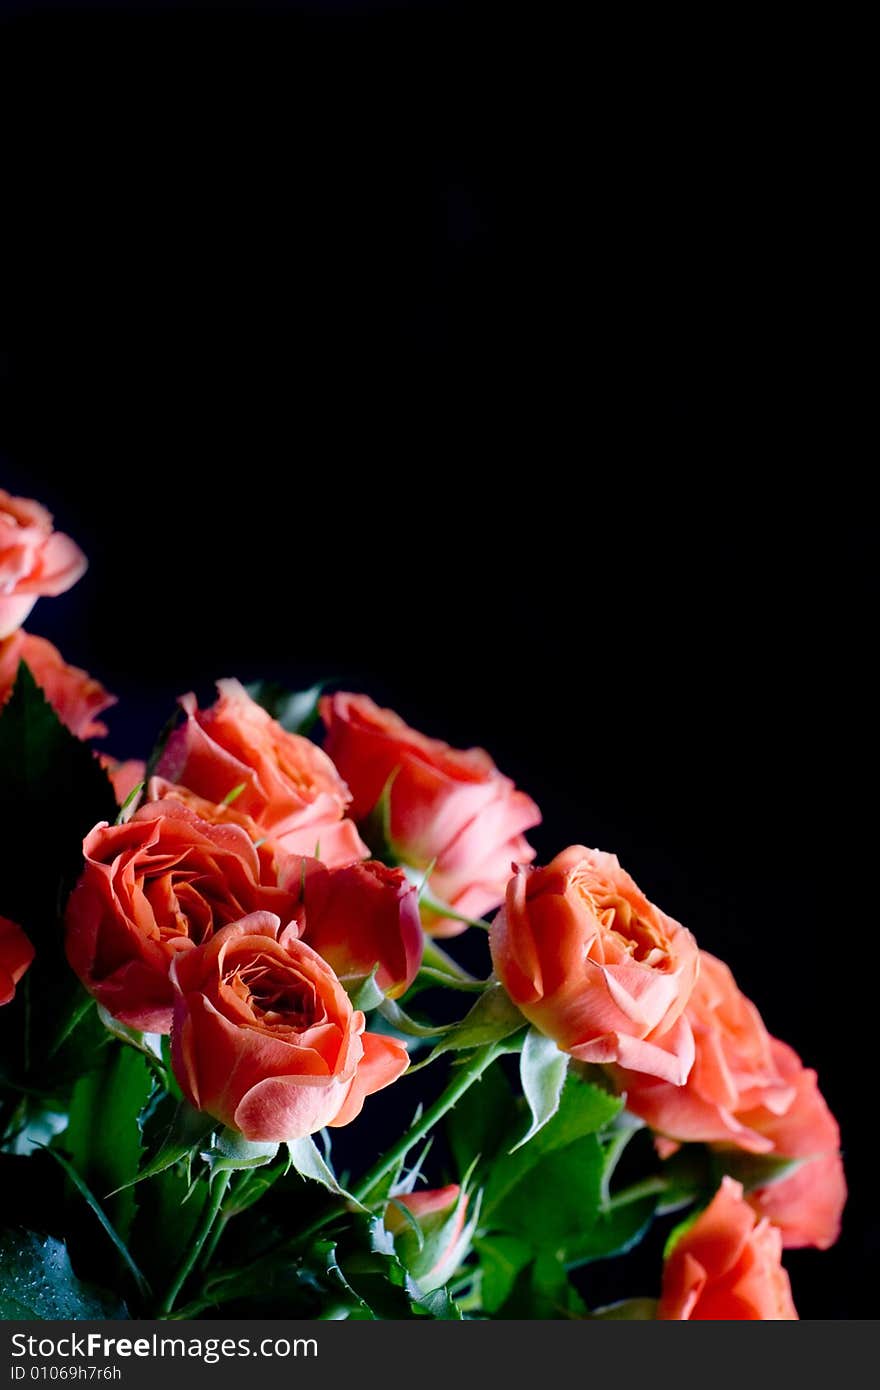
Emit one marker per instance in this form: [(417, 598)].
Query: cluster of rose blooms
[(228, 907)]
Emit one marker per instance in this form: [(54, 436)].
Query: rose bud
[(596, 966), (448, 808), (16, 954), (34, 559), (441, 1214), (362, 916), (749, 1091), (75, 697), (283, 783), (151, 889), (727, 1267), (265, 1038)]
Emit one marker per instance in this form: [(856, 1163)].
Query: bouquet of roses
[(212, 962)]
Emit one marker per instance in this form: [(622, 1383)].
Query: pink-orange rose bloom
[(364, 915), (449, 808), (727, 1267), (155, 888), (750, 1091), (16, 954), (34, 559), (596, 966), (290, 790), (75, 697), (265, 1038)]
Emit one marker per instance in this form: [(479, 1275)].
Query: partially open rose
[(73, 694), (450, 809), (265, 1038), (156, 887), (361, 916), (727, 1267), (750, 1091), (284, 785), (596, 966), (34, 559), (16, 954)]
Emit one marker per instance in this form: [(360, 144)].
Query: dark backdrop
[(504, 377)]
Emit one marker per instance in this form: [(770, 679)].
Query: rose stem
[(216, 1200), (467, 1075)]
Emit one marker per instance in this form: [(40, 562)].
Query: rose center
[(279, 996)]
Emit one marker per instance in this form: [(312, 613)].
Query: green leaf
[(306, 1158), (556, 1200), (399, 1019), (229, 1150), (102, 1138), (363, 991), (165, 1224), (296, 711), (542, 1072), (92, 1201), (494, 1016), (53, 781), (480, 1119), (614, 1232), (501, 1260), (584, 1109), (37, 1281), (149, 1044), (179, 1137)]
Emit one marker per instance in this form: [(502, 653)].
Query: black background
[(504, 373)]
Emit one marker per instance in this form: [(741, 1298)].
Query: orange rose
[(34, 559), (265, 1038), (449, 808), (595, 966), (808, 1204), (364, 915), (16, 954), (290, 789), (75, 697), (749, 1091), (727, 1267), (154, 888), (441, 1214)]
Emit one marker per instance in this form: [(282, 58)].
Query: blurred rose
[(34, 559), (749, 1091), (290, 790), (152, 889), (124, 776), (75, 697), (448, 808), (364, 915), (16, 954), (265, 1038), (596, 966), (441, 1214), (727, 1267)]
